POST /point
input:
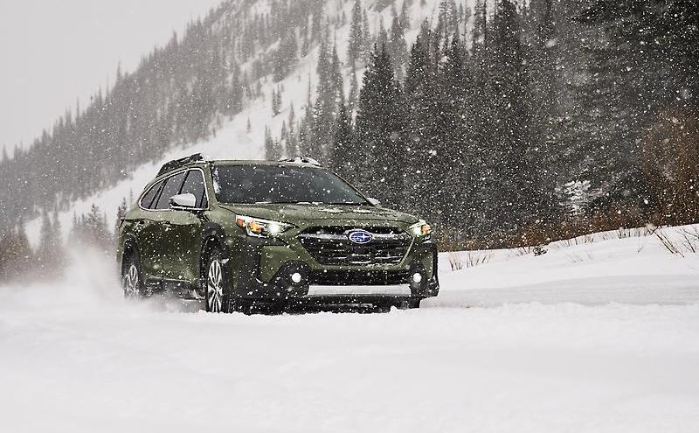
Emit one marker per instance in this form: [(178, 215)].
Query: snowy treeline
[(493, 116), (19, 261)]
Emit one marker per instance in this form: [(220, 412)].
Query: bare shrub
[(523, 251), (690, 239), (455, 261), (474, 259), (667, 242), (635, 232)]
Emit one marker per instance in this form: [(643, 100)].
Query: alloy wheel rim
[(214, 293), (131, 287)]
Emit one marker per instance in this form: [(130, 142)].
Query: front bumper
[(266, 269), (388, 290)]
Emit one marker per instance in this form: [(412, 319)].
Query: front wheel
[(131, 281), (217, 289)]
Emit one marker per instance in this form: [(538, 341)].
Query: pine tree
[(341, 158), (455, 143), (306, 125), (514, 178), (610, 133), (50, 253), (379, 145), (18, 253), (447, 24), (368, 38), (404, 18), (398, 49), (273, 150), (356, 38), (547, 103), (354, 91), (285, 140), (480, 27), (91, 229), (285, 56), (292, 144), (46, 237), (421, 96), (276, 101), (57, 229), (330, 94), (269, 145), (337, 80)]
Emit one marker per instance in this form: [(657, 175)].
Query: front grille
[(331, 246), (358, 278)]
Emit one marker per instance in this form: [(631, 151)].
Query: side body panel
[(180, 245)]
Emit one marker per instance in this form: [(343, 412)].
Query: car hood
[(302, 214)]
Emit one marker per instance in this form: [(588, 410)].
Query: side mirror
[(183, 201), (373, 201)]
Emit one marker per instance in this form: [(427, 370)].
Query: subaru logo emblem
[(360, 237)]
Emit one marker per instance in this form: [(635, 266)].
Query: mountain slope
[(240, 135)]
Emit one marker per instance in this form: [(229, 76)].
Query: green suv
[(259, 234)]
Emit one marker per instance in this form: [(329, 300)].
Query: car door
[(158, 232), (145, 229), (185, 229)]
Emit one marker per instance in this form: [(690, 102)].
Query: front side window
[(148, 200), (172, 187), (194, 184), (281, 184)]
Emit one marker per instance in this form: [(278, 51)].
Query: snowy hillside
[(599, 334), (233, 140)]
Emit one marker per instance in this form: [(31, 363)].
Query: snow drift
[(545, 346)]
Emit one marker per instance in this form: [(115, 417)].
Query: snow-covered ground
[(594, 337)]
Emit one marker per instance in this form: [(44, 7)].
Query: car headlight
[(261, 228), (420, 229)]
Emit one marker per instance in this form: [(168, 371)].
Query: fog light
[(417, 278), (296, 277)]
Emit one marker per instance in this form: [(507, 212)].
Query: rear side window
[(172, 187), (147, 202), (194, 184)]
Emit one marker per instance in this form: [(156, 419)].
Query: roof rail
[(177, 163), (301, 160)]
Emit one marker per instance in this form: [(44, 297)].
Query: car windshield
[(252, 184)]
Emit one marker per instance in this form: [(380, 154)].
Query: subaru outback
[(260, 234)]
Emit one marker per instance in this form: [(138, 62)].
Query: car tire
[(132, 277), (414, 304), (217, 283), (382, 308), (408, 304)]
